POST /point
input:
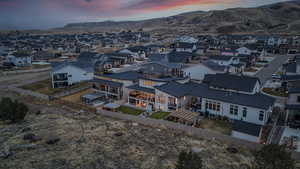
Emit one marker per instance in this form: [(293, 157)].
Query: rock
[(196, 149), (25, 147), (26, 129), (5, 153), (232, 150), (52, 140), (135, 124), (32, 137), (118, 134)]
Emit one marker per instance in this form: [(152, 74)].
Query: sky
[(44, 14)]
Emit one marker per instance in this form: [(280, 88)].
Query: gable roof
[(129, 75), (247, 128), (179, 57), (233, 82), (202, 90), (86, 67), (221, 57)]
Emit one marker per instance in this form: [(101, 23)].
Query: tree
[(12, 110), (273, 156), (189, 160)]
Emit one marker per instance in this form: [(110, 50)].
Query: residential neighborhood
[(189, 80)]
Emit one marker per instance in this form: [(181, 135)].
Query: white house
[(224, 60), (67, 74), (244, 51), (20, 59)]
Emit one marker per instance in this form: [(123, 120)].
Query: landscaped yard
[(45, 87), (130, 110), (220, 126), (160, 115), (275, 92)]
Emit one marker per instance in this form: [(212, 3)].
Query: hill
[(275, 18)]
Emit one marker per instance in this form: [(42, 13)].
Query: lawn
[(45, 87), (273, 92), (129, 110), (220, 126), (160, 115)]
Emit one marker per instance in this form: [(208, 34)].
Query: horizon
[(46, 14)]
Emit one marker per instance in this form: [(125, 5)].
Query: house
[(68, 73), (233, 83), (180, 57), (224, 60), (136, 51), (244, 51), (197, 72), (114, 85), (20, 58), (252, 108), (162, 69), (184, 47), (187, 39)]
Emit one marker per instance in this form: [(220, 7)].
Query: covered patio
[(141, 97), (184, 117)]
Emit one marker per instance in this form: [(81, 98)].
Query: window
[(298, 98), (245, 110), (215, 106), (148, 83), (261, 115), (234, 110)]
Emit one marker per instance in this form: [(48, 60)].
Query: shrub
[(12, 110), (273, 157), (189, 160)]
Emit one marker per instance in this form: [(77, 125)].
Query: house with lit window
[(114, 85)]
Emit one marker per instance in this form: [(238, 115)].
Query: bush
[(12, 110), (273, 157), (189, 160)]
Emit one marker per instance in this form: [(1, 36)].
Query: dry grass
[(220, 126), (45, 87), (76, 97)]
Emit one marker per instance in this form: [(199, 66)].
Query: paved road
[(266, 73)]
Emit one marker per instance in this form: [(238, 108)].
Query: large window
[(211, 105), (234, 110), (245, 111), (261, 115), (148, 83)]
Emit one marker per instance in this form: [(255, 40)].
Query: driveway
[(266, 73)]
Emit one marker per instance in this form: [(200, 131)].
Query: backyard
[(45, 87), (129, 110), (160, 115), (220, 126)]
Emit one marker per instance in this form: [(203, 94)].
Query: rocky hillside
[(280, 17)]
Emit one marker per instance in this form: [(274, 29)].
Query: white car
[(276, 76)]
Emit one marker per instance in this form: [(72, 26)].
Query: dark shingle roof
[(247, 128), (143, 89), (108, 82), (233, 82), (202, 90), (179, 57), (129, 75), (220, 57)]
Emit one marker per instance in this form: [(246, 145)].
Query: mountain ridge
[(282, 17)]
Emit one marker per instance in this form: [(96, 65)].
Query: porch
[(141, 97), (111, 89)]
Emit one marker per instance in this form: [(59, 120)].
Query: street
[(266, 73)]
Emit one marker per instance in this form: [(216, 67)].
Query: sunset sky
[(41, 14)]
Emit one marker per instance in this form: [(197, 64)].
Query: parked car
[(276, 76)]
